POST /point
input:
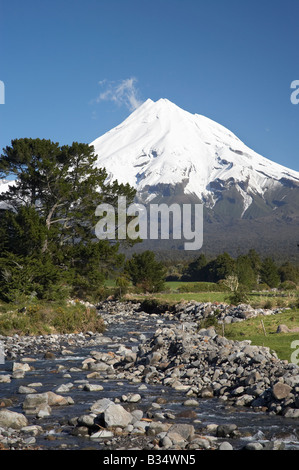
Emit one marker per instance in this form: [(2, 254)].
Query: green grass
[(177, 291), (189, 296), (252, 329), (48, 317)]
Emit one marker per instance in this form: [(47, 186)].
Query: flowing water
[(254, 426)]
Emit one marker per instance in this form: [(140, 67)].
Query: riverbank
[(150, 382)]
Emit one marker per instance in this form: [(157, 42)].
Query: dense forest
[(249, 270)]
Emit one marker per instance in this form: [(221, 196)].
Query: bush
[(55, 318), (24, 277), (145, 272), (203, 287), (238, 297), (287, 285)]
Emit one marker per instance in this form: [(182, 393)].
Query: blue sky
[(74, 69)]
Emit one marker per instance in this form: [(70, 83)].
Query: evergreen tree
[(269, 273), (288, 272), (221, 267), (145, 272), (51, 214), (245, 273), (196, 269)]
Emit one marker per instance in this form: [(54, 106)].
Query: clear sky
[(73, 69)]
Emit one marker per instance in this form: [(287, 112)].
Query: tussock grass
[(48, 318)]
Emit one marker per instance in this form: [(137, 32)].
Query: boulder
[(116, 415), (100, 405), (281, 390), (11, 419), (184, 430), (54, 399), (35, 400)]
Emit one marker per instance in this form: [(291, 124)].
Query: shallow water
[(254, 426)]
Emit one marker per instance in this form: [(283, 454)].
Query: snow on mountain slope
[(162, 143)]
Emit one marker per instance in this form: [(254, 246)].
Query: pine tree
[(52, 202), (145, 272), (269, 273)]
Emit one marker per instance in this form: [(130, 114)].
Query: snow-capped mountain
[(161, 149)]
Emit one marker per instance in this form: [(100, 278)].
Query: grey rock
[(116, 415), (11, 419), (226, 446), (254, 446)]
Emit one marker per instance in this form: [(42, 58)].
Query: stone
[(43, 411), (23, 389), (49, 355), (291, 413), (21, 366), (5, 378), (116, 415), (86, 420), (64, 387), (54, 399), (103, 433), (11, 419), (200, 443), (281, 390), (190, 402), (100, 405), (35, 400), (166, 442), (254, 446), (282, 329), (225, 430), (176, 438), (33, 430), (207, 392), (253, 378), (93, 387), (137, 414), (156, 427), (185, 430), (133, 398), (226, 446)]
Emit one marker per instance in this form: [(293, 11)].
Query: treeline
[(249, 270)]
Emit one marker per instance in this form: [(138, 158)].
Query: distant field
[(188, 296), (177, 291)]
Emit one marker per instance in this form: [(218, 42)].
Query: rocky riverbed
[(150, 382)]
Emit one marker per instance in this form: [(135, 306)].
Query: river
[(57, 433)]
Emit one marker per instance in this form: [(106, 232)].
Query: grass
[(48, 318), (177, 291), (253, 329)]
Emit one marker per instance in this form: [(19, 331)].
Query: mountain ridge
[(170, 155), (161, 144)]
